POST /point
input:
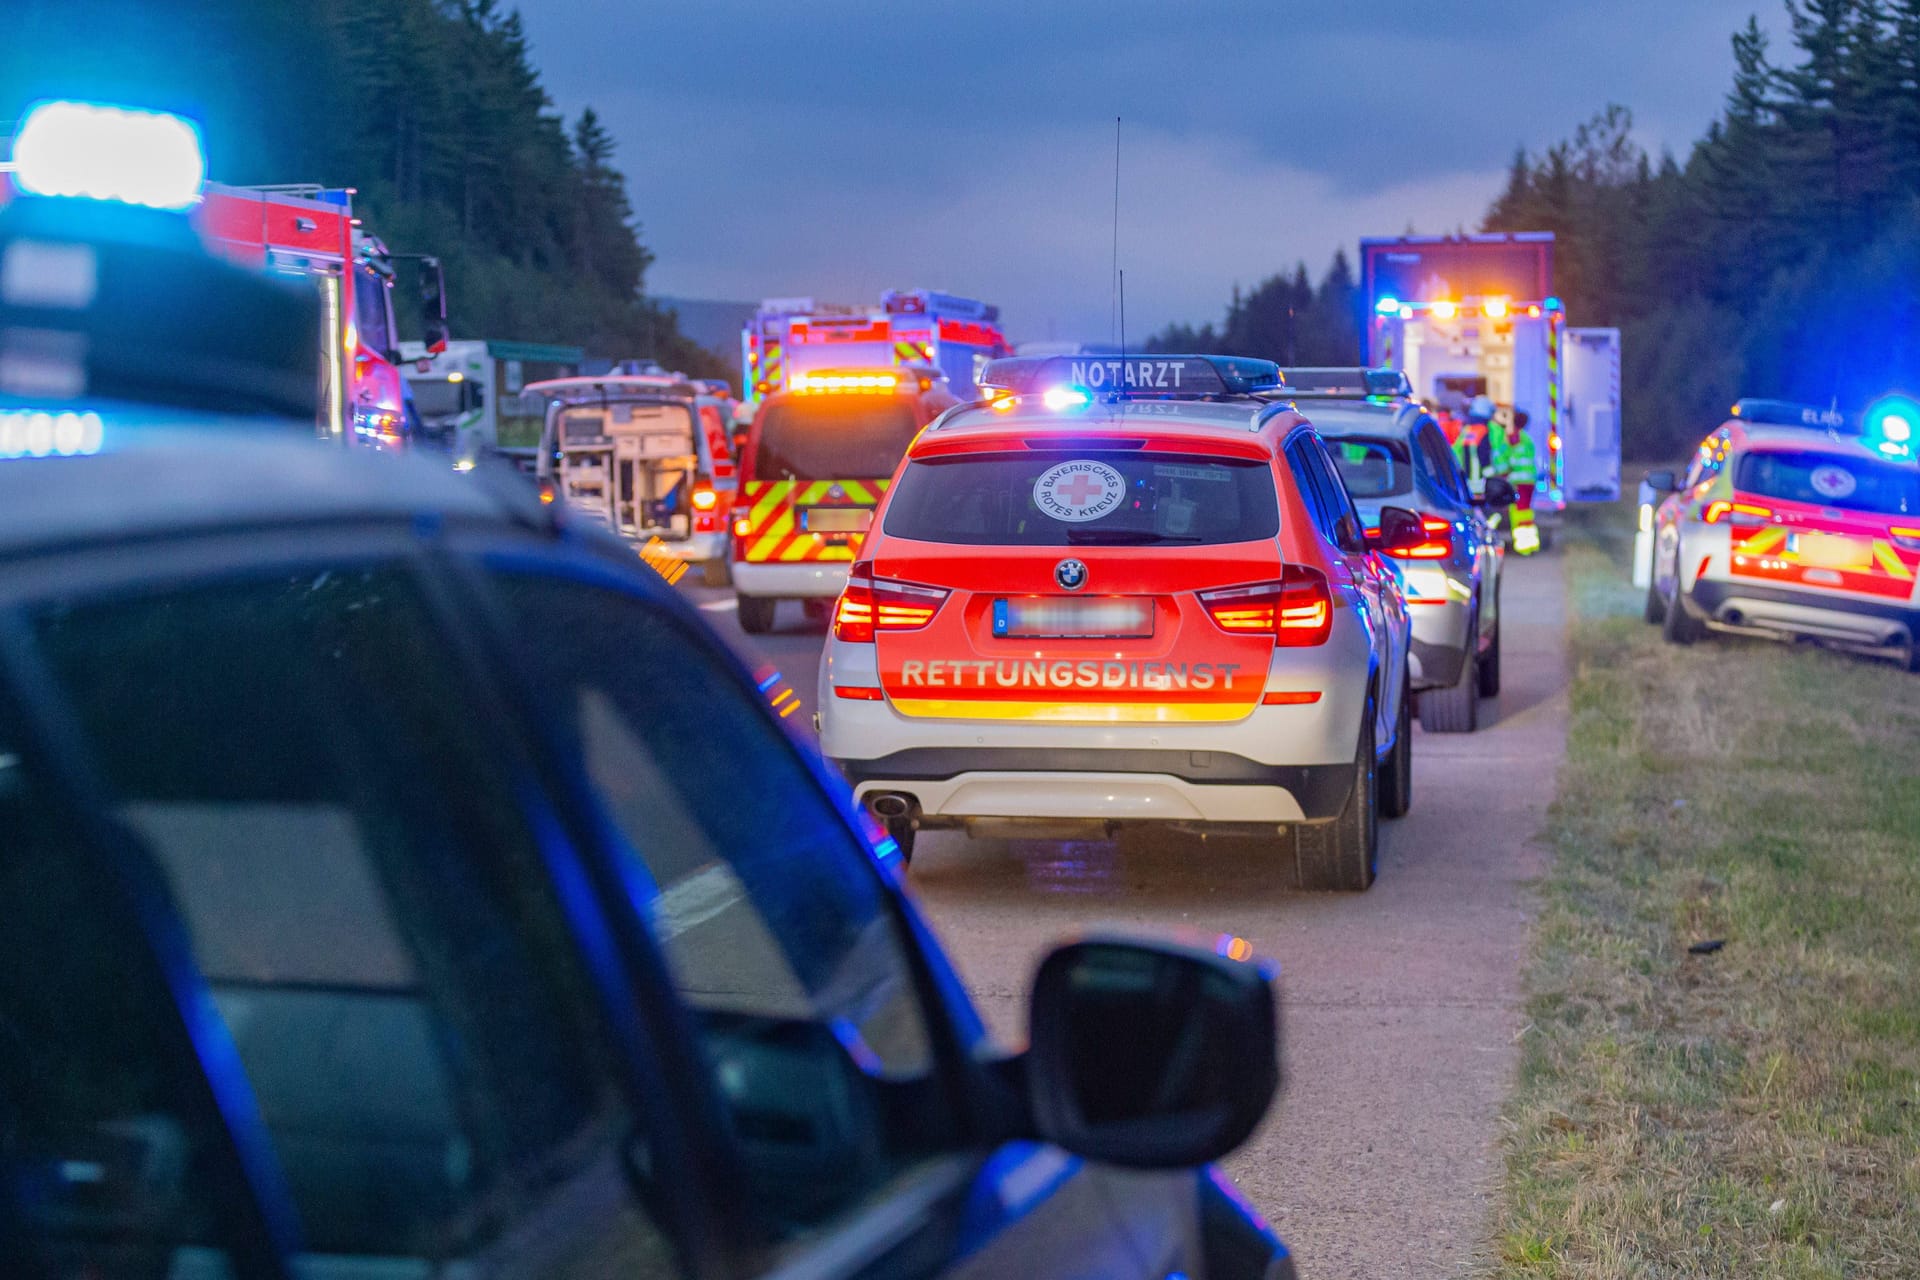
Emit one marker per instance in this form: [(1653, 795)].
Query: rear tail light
[(870, 605), (1437, 545), (1907, 539), (1295, 611), (704, 498), (1744, 514)]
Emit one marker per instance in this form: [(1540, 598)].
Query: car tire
[(756, 614), (1656, 608), (1679, 626), (1396, 771), (1490, 660), (1342, 854), (1456, 708), (717, 572)]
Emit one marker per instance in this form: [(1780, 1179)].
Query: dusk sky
[(839, 149)]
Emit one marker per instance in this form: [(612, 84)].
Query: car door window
[(769, 910), (113, 1160), (1441, 464), (1312, 487), (1332, 488), (374, 919)]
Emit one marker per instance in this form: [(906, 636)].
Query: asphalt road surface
[(1400, 1006)]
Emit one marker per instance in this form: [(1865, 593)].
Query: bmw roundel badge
[(1070, 574)]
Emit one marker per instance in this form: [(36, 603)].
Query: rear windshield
[(833, 438), (1084, 499), (1823, 479), (1372, 467)]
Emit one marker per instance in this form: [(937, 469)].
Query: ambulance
[(787, 336), (817, 460), (1127, 592), (1467, 316), (648, 456), (1794, 521)]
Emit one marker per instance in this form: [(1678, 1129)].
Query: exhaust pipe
[(891, 804)]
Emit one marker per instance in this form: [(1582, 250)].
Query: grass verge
[(1755, 1111)]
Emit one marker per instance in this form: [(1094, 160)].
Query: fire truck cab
[(818, 458)]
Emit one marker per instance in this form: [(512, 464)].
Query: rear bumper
[(1823, 615), (1118, 785), (800, 580)]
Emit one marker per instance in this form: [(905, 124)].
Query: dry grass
[(1754, 1112)]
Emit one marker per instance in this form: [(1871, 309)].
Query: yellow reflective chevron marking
[(1885, 557), (1764, 541)]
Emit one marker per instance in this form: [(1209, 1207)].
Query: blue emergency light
[(1388, 306), (95, 152), (1890, 424)]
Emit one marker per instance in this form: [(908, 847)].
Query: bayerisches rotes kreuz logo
[(1079, 491), (1832, 482)]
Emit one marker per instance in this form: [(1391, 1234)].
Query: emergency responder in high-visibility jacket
[(1518, 461), (1475, 444)]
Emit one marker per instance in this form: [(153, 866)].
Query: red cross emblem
[(1080, 490)]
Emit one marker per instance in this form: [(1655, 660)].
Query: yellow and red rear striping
[(773, 533)]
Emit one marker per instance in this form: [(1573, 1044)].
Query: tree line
[(432, 109), (1780, 258)]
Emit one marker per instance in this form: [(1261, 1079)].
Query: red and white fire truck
[(310, 231), (790, 336)]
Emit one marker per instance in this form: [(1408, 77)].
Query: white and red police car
[(1126, 590), (1794, 521)]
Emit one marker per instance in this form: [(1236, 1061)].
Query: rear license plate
[(836, 519), (1826, 551), (1074, 619)]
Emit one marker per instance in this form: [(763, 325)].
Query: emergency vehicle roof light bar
[(1786, 413), (1141, 377), (98, 152)]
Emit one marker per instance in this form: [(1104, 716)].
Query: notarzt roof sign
[(1184, 377)]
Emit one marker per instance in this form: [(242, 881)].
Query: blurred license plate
[(836, 519), (1826, 551), (1118, 618)]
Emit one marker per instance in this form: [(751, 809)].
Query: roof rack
[(1346, 384)]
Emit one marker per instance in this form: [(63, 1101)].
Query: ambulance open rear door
[(1590, 416)]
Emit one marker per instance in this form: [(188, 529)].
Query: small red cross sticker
[(1081, 490)]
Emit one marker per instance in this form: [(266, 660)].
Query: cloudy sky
[(838, 148)]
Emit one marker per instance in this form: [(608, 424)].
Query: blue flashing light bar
[(97, 152), (1554, 304), (1134, 377), (1891, 423), (1388, 306)]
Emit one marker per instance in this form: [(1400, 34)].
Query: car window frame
[(953, 1027), (561, 827)]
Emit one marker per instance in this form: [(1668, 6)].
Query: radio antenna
[(1123, 311), (1115, 281)]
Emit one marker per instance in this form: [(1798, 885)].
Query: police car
[(1794, 521), (1391, 451), (1126, 591), (384, 899)]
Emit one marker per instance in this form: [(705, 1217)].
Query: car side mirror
[(433, 305), (1400, 530), (1151, 1054), (1348, 535), (1663, 482), (1498, 492)]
